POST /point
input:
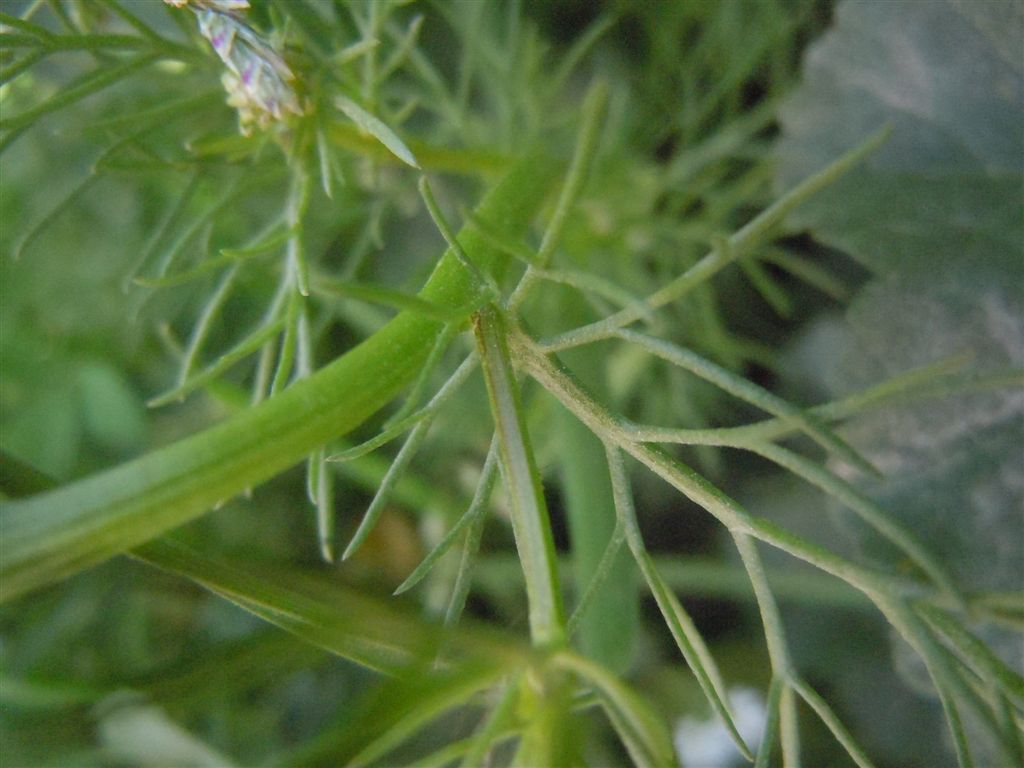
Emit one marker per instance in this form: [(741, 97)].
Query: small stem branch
[(593, 109), (691, 484)]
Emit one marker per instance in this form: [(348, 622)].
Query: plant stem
[(530, 521), (54, 535), (734, 517)]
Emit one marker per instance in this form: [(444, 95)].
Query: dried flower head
[(258, 81), (224, 6)]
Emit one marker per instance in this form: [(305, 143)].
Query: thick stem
[(53, 535)]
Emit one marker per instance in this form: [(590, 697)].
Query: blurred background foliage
[(714, 108)]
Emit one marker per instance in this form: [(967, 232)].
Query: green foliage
[(243, 207)]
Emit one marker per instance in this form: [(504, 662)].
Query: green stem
[(53, 535), (529, 511), (733, 516)]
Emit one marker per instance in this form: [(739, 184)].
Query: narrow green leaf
[(43, 225), (389, 297), (770, 734), (1013, 730), (319, 610), (945, 671), (9, 20), (641, 729), (607, 611), (464, 575), (322, 492), (274, 239), (579, 49), (500, 717), (483, 280), (781, 695), (961, 745), (828, 717), (694, 650), (264, 370), (585, 282), (680, 476), (774, 633), (709, 576), (11, 40), (684, 631), (806, 270), (446, 756), (384, 437), (988, 706), (289, 341), (447, 390), (751, 393), (586, 147), (134, 21), (441, 344), (86, 86), (161, 231), (26, 62), (230, 147), (299, 192), (403, 47), (476, 509), (356, 50), (91, 42), (773, 294), (380, 500), (601, 573), (330, 169), (239, 352), (310, 18), (412, 491), (377, 129), (241, 185), (867, 510), (516, 250), (473, 163), (201, 329), (974, 652), (938, 379), (400, 708)]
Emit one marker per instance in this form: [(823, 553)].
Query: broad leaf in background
[(953, 466), (936, 216), (944, 192)]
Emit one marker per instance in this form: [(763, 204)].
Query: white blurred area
[(706, 743)]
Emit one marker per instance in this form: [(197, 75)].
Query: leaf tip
[(327, 551), (352, 547)]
